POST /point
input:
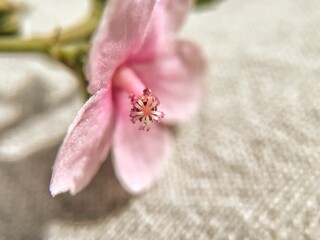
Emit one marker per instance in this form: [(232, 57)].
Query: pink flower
[(133, 53)]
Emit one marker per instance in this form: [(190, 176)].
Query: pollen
[(144, 109)]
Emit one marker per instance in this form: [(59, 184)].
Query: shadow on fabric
[(26, 206)]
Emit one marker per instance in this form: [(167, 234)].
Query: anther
[(145, 109)]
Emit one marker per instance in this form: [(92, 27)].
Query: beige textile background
[(246, 167)]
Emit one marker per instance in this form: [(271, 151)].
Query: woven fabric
[(246, 167)]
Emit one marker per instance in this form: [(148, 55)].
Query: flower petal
[(138, 155), (167, 17), (177, 11), (121, 33), (176, 79), (86, 145)]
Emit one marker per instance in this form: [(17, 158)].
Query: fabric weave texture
[(246, 167)]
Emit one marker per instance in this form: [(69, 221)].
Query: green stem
[(9, 18), (25, 45), (69, 46), (76, 33), (6, 6), (9, 24), (86, 27)]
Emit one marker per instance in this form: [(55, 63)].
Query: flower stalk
[(67, 45), (9, 18)]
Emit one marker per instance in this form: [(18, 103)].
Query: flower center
[(145, 109)]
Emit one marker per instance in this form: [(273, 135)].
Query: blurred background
[(245, 168)]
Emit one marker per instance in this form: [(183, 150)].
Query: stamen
[(144, 109)]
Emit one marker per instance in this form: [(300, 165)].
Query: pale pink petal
[(167, 17), (177, 12), (156, 36), (121, 33), (138, 156), (86, 145), (176, 78)]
